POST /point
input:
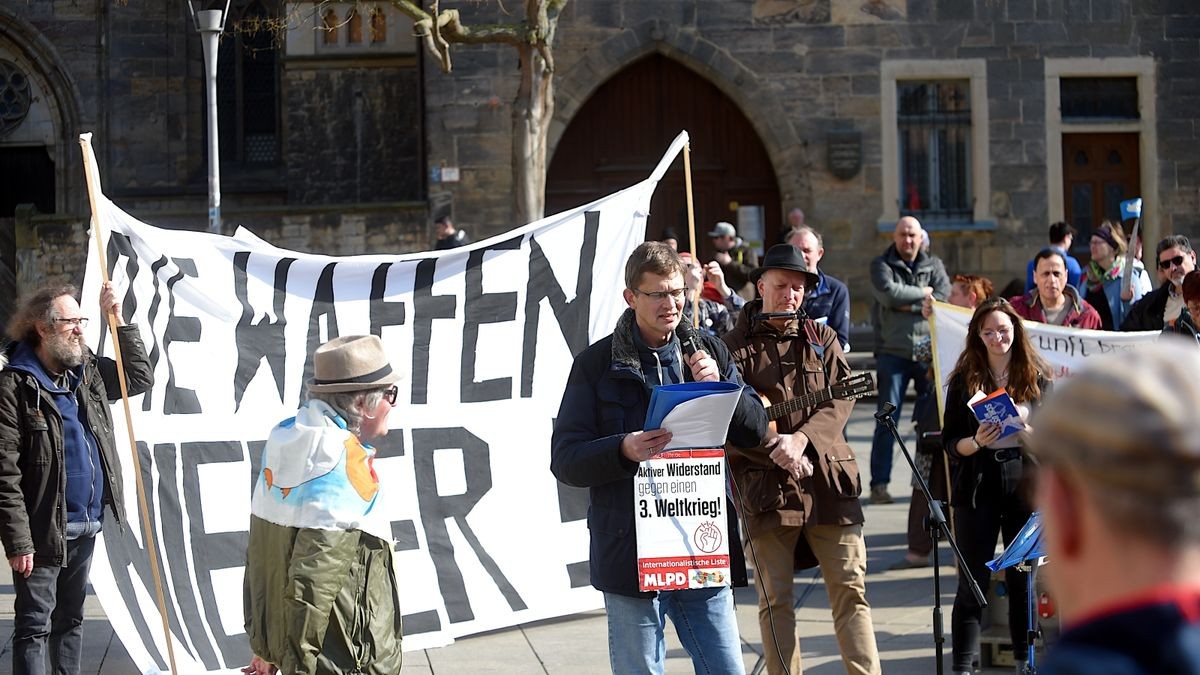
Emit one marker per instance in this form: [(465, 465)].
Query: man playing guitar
[(798, 493)]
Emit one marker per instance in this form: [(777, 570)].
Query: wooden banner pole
[(691, 215), (93, 186)]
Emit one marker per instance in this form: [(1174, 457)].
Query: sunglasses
[(1170, 262), (391, 394)]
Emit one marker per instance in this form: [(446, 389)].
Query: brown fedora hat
[(351, 363)]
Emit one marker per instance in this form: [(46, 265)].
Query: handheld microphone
[(885, 412), (689, 341)]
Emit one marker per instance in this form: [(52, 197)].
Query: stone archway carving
[(735, 80), (49, 73)]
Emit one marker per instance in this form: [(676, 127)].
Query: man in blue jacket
[(59, 466), (828, 301), (598, 443)]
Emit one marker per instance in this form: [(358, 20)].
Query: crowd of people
[(1115, 450), (796, 483)]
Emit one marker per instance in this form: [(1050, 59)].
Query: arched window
[(329, 23), (354, 27), (248, 88), (378, 26)]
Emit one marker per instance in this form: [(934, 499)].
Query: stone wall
[(798, 69), (372, 151), (802, 68), (350, 179)]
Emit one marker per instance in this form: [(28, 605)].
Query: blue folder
[(666, 397)]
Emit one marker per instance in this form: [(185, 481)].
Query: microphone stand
[(938, 528)]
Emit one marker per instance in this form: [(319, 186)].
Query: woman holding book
[(987, 498)]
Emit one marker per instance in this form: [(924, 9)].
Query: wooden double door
[(620, 133), (1099, 172)]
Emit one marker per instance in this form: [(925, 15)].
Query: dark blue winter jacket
[(831, 300), (606, 398), (1156, 635)]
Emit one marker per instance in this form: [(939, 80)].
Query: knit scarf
[(1098, 276)]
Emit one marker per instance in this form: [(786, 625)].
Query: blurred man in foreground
[(1119, 491)]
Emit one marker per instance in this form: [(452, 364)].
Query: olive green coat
[(322, 601)]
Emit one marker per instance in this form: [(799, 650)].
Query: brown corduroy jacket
[(782, 365)]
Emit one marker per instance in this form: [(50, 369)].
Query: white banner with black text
[(1064, 349), (485, 537)]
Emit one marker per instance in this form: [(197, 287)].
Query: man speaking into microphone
[(799, 491), (598, 443)]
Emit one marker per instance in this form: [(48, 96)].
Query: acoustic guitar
[(849, 389)]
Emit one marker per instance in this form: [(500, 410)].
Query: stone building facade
[(811, 74), (988, 119), (320, 130)]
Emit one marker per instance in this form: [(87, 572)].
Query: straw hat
[(351, 363)]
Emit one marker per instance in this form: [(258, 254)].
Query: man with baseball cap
[(320, 589), (798, 492), (1118, 488), (735, 257)]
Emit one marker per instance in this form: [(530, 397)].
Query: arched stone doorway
[(619, 134)]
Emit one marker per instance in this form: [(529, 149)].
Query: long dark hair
[(1026, 367)]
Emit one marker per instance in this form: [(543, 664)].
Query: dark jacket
[(831, 300), (1182, 326), (896, 288), (980, 477), (33, 514), (737, 272), (1148, 636), (1079, 315), (459, 238), (1147, 313), (782, 366), (606, 398)]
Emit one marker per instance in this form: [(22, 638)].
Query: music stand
[(1027, 552), (938, 527)]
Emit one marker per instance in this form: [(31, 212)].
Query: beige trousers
[(842, 553)]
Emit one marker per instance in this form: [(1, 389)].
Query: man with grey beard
[(58, 466)]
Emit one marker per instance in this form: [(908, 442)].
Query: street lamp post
[(211, 23)]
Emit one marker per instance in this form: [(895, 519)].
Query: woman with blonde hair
[(1102, 276), (987, 498)]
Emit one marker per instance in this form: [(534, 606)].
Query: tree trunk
[(532, 112)]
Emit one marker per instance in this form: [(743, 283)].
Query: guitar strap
[(810, 331)]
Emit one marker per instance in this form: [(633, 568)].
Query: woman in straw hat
[(320, 590), (987, 498)]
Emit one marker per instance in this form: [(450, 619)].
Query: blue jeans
[(892, 375), (703, 618), (49, 608)]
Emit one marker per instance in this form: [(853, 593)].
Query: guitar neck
[(790, 406)]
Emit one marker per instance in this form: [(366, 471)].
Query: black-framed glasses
[(658, 296), (1170, 262), (80, 322), (390, 394)]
